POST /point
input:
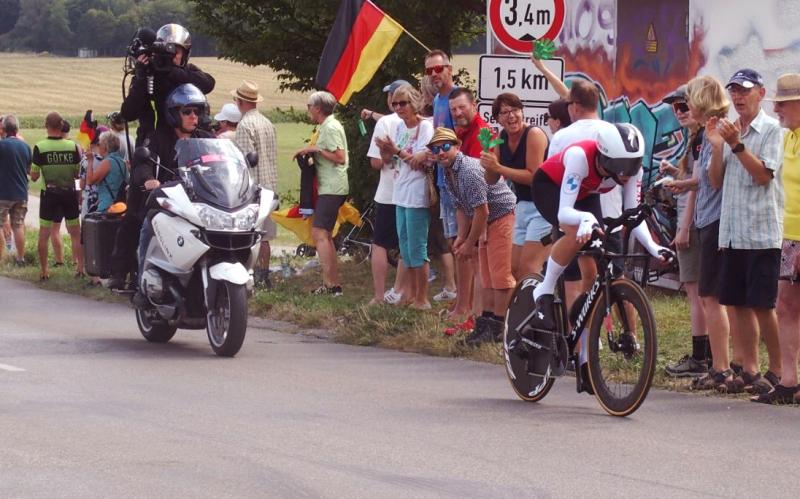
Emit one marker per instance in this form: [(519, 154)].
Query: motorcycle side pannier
[(98, 233)]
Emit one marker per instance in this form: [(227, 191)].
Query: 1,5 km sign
[(516, 74), (517, 23)]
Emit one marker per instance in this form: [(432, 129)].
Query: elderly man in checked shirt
[(256, 133), (746, 161), (488, 213)]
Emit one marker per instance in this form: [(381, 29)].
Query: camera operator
[(161, 66), (186, 107)]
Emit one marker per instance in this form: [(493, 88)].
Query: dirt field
[(33, 85)]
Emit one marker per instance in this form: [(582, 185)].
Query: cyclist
[(566, 191)]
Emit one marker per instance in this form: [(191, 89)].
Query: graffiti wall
[(638, 51)]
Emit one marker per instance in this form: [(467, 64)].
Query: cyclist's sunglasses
[(188, 111), (442, 148), (680, 107), (436, 69)]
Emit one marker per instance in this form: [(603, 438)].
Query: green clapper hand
[(485, 138), (544, 48)]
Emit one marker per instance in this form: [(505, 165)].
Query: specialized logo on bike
[(572, 183)]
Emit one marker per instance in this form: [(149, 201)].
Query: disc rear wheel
[(529, 387)]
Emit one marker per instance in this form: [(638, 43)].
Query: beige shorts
[(689, 258), (269, 229), (16, 211)]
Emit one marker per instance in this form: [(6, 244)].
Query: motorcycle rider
[(186, 107), (166, 77)]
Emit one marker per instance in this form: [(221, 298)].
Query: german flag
[(361, 38)]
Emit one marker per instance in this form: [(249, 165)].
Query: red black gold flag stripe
[(361, 38)]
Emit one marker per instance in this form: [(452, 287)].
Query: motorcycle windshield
[(215, 170)]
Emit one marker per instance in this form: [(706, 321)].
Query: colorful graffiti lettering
[(664, 136)]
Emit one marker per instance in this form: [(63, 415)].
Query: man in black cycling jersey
[(566, 191)]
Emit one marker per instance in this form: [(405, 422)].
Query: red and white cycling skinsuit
[(575, 170)]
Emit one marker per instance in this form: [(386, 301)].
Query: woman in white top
[(410, 193)]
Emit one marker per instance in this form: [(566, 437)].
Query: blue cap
[(395, 85), (747, 78)]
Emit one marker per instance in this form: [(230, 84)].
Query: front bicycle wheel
[(622, 348), (529, 387)]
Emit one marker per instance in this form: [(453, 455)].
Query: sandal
[(773, 378), (80, 275), (780, 395), (714, 380), (44, 277), (746, 382)]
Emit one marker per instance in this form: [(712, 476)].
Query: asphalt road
[(89, 409)]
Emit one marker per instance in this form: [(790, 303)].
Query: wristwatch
[(737, 148)]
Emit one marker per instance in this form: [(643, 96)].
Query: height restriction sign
[(517, 23)]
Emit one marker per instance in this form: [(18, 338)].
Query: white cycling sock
[(583, 355), (554, 271)]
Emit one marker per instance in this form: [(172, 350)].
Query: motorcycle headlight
[(214, 219)]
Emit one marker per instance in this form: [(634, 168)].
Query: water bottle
[(286, 269)]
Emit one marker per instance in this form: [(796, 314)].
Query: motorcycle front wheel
[(227, 321)]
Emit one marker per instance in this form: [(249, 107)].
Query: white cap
[(229, 112)]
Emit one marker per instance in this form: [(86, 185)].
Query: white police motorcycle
[(197, 267)]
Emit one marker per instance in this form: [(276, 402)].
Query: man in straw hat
[(786, 104), (489, 210), (256, 133)]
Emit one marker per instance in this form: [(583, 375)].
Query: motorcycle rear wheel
[(227, 322), (154, 333)]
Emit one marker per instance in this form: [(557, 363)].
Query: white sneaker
[(392, 297), (445, 295)]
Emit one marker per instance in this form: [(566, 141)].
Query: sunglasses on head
[(400, 103), (435, 69), (188, 111), (680, 107), (442, 148)]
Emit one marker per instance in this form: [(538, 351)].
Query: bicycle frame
[(602, 282)]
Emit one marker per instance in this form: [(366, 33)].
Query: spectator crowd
[(444, 196)]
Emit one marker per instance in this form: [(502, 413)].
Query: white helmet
[(620, 149)]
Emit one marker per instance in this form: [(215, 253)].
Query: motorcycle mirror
[(252, 159), (142, 154)]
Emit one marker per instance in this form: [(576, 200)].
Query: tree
[(10, 10), (289, 35), (59, 37)]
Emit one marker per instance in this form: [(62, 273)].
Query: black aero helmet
[(620, 149), (186, 95)]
